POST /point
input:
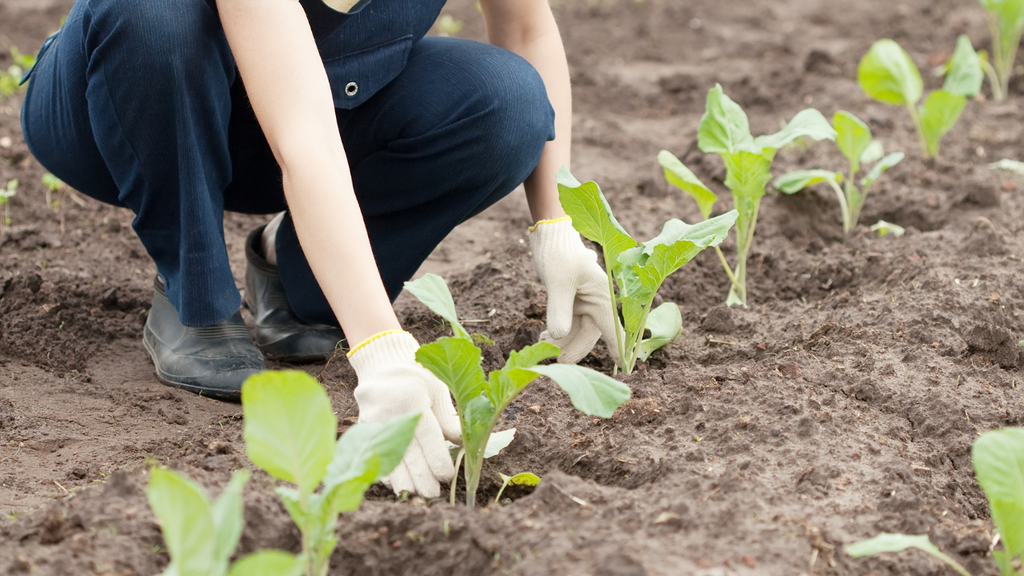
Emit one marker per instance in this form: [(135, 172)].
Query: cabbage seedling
[(5, 197), (290, 431), (638, 270), (854, 141), (999, 465), (480, 400), (521, 479), (201, 537), (725, 130), (1006, 22), (887, 74)]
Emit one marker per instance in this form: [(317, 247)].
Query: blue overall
[(138, 103)]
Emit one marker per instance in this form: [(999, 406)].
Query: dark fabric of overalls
[(138, 103)]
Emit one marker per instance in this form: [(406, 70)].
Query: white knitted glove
[(579, 305), (392, 383)]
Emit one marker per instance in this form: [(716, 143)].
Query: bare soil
[(842, 403)]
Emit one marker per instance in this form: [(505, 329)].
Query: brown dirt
[(842, 403)]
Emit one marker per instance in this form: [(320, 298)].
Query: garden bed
[(843, 402)]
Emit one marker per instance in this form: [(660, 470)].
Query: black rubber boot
[(211, 361), (279, 334)]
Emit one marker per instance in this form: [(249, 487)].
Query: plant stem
[(912, 107), (843, 206), (635, 342), (473, 464), (620, 339), (458, 462), (725, 264), (993, 80), (1008, 62)]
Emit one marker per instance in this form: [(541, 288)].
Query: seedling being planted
[(636, 270), (725, 130), (999, 465), (5, 197), (290, 432), (887, 74), (201, 537), (854, 141), (481, 399), (1006, 22)]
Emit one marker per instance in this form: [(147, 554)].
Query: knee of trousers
[(157, 42), (519, 119)]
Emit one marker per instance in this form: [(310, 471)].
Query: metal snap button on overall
[(351, 89)]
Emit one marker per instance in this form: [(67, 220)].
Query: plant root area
[(842, 403)]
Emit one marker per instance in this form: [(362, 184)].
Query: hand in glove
[(579, 305), (392, 383)]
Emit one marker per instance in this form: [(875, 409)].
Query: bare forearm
[(528, 29), (330, 228), (291, 96)]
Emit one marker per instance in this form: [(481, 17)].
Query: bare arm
[(528, 28), (291, 96)]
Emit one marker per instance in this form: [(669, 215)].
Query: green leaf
[(873, 153), (679, 243), (365, 452), (796, 181), (884, 164), (965, 73), (52, 182), (746, 175), (477, 423), (724, 128), (808, 122), (505, 384), (432, 290), (679, 175), (456, 362), (939, 114), (886, 542), (666, 324), (887, 73), (531, 355), (591, 392), (591, 215), (853, 139), (521, 479), (289, 426), (498, 442), (268, 563), (382, 442), (227, 516), (999, 465), (184, 514)]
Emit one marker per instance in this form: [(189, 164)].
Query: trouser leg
[(460, 128), (132, 106)]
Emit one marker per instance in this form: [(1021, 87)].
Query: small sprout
[(201, 537), (10, 80), (481, 399), (5, 196), (638, 269), (1009, 165), (521, 479), (290, 431), (725, 130), (448, 25), (883, 228), (855, 142), (887, 74), (1006, 23)]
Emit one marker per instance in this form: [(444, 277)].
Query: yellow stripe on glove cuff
[(551, 221), (376, 336)]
